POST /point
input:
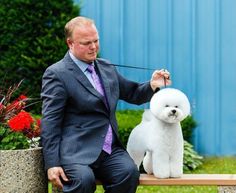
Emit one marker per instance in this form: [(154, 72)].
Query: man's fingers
[(168, 82), (63, 176), (55, 175), (161, 73), (58, 183)]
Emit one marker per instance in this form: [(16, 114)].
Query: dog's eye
[(176, 106), (167, 106)]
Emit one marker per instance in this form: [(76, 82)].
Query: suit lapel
[(104, 77), (82, 79)]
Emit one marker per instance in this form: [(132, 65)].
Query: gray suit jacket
[(75, 117)]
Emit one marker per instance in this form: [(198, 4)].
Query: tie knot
[(91, 68)]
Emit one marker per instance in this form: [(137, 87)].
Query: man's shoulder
[(59, 65), (56, 67), (102, 60), (105, 64)]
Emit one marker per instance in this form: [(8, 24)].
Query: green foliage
[(191, 158), (128, 119), (217, 165), (12, 140), (31, 39), (188, 124)]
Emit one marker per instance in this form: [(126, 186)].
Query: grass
[(211, 165)]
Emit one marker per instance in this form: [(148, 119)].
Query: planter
[(21, 171)]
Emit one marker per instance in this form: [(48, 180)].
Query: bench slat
[(191, 179), (225, 182)]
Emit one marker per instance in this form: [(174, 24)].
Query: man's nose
[(92, 45)]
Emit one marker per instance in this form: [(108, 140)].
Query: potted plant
[(21, 162)]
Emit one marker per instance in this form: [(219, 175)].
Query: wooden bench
[(226, 183)]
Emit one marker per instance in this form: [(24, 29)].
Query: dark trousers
[(116, 171)]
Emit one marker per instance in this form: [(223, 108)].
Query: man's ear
[(69, 42)]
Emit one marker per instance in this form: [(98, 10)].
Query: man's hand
[(159, 79), (54, 175)]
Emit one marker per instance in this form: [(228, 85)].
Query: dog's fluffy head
[(170, 105)]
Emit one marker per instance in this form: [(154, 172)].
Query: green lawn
[(213, 165)]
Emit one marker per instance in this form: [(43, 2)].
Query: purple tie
[(108, 139)]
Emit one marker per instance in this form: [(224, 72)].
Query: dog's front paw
[(161, 173), (176, 170), (176, 174)]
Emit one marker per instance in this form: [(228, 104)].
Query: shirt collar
[(82, 65)]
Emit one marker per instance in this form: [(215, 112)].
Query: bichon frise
[(158, 139)]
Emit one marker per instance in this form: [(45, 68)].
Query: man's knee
[(126, 180), (81, 180), (130, 172), (88, 180), (133, 171)]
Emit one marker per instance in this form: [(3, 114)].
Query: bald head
[(77, 22)]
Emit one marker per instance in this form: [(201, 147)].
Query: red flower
[(1, 106), (22, 121), (34, 131), (22, 98)]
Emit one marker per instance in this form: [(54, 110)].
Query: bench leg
[(226, 189)]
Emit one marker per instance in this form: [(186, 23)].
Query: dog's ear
[(188, 107)]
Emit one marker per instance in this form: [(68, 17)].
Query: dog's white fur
[(158, 139)]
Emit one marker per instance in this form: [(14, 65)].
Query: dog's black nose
[(173, 111)]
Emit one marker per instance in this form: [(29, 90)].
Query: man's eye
[(85, 43), (89, 43)]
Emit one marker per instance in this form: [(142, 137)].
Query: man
[(79, 129)]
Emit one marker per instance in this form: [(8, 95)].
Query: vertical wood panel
[(228, 71), (218, 79), (207, 78)]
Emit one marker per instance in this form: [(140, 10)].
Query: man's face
[(84, 43)]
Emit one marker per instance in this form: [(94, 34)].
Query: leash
[(135, 67), (139, 68), (164, 79)]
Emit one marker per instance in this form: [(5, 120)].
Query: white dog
[(158, 139)]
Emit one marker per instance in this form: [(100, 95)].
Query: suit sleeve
[(133, 92), (54, 99)]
